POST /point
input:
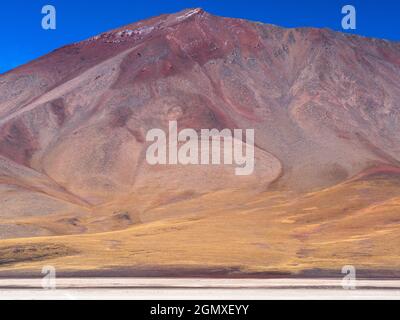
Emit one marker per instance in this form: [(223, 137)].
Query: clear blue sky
[(22, 39)]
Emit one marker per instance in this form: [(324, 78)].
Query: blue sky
[(22, 39)]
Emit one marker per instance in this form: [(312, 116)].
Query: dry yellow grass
[(353, 223)]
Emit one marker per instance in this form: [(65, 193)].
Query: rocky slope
[(324, 105)]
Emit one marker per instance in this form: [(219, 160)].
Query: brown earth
[(75, 185)]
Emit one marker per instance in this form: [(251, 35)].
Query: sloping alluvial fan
[(325, 192)]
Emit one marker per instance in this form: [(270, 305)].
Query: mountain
[(77, 192)]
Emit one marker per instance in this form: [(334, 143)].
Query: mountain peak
[(138, 30), (324, 110), (193, 11)]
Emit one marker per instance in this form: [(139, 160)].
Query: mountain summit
[(326, 113)]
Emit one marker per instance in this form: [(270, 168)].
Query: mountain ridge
[(324, 107)]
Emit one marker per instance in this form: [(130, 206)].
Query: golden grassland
[(356, 223)]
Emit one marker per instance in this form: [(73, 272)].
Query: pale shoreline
[(197, 289), (195, 283)]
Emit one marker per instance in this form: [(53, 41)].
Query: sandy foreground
[(210, 289)]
